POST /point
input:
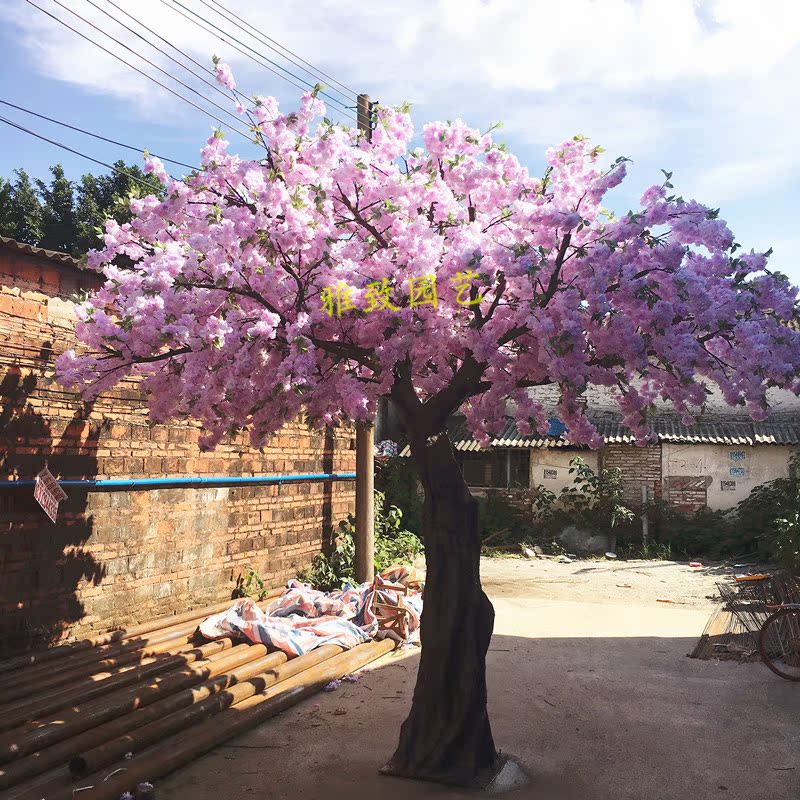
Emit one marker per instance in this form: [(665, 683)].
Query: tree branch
[(552, 286), (360, 220)]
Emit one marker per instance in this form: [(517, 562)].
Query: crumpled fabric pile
[(303, 618)]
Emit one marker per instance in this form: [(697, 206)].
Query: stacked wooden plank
[(131, 705)]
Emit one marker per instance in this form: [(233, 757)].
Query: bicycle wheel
[(779, 643)]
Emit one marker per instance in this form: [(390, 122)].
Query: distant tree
[(59, 224), (20, 209), (69, 216)]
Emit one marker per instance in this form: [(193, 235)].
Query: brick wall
[(116, 557), (641, 466), (687, 493)]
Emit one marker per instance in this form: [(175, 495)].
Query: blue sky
[(705, 89)]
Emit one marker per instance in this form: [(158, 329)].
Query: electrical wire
[(159, 83), (243, 25), (225, 41), (177, 49), (76, 152), (188, 57), (147, 60), (139, 150), (202, 78), (135, 68), (345, 110)]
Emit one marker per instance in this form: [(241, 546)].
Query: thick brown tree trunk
[(447, 737)]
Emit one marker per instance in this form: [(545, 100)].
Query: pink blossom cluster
[(213, 294)]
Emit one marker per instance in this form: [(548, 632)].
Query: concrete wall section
[(550, 467), (730, 471)]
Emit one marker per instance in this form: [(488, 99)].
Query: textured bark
[(447, 736)]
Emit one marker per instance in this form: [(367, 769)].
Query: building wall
[(550, 466), (118, 557), (730, 472), (640, 466)]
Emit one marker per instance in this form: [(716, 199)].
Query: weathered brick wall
[(641, 466), (119, 556)]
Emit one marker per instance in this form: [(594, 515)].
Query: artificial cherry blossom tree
[(334, 271)]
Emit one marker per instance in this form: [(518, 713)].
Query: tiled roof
[(40, 252), (736, 432)]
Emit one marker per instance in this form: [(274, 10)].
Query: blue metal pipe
[(148, 483)]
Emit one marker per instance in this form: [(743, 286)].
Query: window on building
[(497, 469)]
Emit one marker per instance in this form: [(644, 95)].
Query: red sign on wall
[(48, 494)]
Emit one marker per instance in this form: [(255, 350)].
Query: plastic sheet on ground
[(303, 618)]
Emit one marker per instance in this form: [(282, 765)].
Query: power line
[(76, 152), (205, 80), (95, 135), (146, 60), (140, 71), (177, 49), (225, 41), (304, 88), (262, 37), (202, 67)]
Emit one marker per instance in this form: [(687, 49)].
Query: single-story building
[(714, 464)]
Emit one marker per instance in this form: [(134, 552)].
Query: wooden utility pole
[(365, 444)]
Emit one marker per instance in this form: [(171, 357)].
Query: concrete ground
[(589, 686)]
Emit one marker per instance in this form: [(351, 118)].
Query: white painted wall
[(556, 462), (740, 467)]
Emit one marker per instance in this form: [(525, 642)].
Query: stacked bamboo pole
[(182, 748), (144, 690), (106, 666), (11, 665), (26, 709)]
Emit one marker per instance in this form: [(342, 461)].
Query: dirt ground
[(589, 687)]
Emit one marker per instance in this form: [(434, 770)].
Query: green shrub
[(396, 477), (499, 520), (766, 525), (593, 502), (393, 545), (251, 584), (702, 534), (770, 517)]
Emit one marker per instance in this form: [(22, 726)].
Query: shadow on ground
[(590, 718)]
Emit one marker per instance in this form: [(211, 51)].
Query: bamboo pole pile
[(95, 718)]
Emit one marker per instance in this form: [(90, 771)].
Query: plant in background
[(393, 545), (785, 541), (766, 525), (335, 569), (595, 500), (251, 584), (703, 533), (770, 517), (397, 478)]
